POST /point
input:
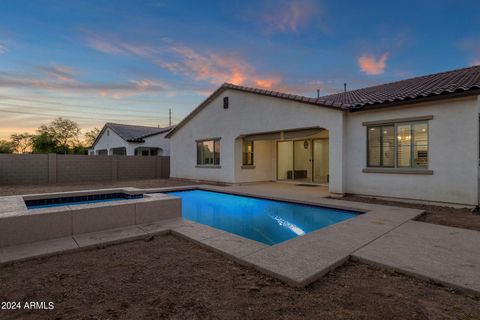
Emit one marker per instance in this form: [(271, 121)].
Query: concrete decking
[(382, 235), (447, 255)]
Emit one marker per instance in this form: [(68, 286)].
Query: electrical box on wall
[(225, 102)]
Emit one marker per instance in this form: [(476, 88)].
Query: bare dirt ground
[(172, 278), (447, 216), (60, 187)]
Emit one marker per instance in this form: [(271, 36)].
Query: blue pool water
[(71, 203), (75, 200), (266, 221)]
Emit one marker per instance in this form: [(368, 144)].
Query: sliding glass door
[(285, 160), (303, 160), (302, 164), (320, 161)]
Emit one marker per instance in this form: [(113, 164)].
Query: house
[(123, 139), (411, 139)]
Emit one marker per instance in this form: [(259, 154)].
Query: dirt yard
[(45, 188), (172, 278), (447, 216)]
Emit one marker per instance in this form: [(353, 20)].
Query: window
[(208, 152), (400, 145), (247, 153)]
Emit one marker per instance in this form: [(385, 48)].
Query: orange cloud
[(372, 66), (290, 16), (267, 83), (216, 68), (213, 67)]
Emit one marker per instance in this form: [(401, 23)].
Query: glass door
[(285, 160), (302, 160), (320, 161)]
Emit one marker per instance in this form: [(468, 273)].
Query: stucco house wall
[(453, 154), (251, 113), (113, 140), (155, 141)]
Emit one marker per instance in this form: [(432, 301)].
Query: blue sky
[(129, 61)]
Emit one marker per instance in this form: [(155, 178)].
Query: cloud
[(3, 49), (55, 79), (113, 45), (216, 68), (289, 16), (475, 62), (58, 72), (371, 65)]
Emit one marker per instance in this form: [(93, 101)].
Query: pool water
[(262, 220), (76, 200)]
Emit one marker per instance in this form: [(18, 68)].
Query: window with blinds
[(402, 145)]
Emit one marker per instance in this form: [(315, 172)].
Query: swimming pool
[(262, 220)]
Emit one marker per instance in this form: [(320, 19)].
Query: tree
[(91, 136), (44, 143), (63, 132), (6, 146), (21, 141)]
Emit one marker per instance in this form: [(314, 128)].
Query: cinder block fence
[(54, 168)]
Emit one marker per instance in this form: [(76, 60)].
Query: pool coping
[(301, 260), (297, 262)]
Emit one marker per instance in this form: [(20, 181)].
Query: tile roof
[(453, 83), (438, 84), (133, 133)]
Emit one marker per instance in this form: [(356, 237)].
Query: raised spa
[(266, 221)]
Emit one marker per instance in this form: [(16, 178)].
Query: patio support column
[(337, 154)]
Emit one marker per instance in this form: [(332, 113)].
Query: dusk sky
[(129, 61)]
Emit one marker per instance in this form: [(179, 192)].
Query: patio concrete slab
[(37, 249), (109, 236), (447, 255), (233, 245)]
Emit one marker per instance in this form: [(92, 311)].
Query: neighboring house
[(123, 139), (411, 139)]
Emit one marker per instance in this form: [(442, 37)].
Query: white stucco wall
[(251, 113), (157, 141), (453, 154), (113, 140)]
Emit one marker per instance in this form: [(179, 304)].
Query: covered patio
[(299, 155)]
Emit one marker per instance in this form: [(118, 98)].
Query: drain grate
[(306, 185)]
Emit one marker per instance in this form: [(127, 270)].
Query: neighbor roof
[(448, 84), (132, 133)]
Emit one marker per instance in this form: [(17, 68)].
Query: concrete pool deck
[(382, 235)]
